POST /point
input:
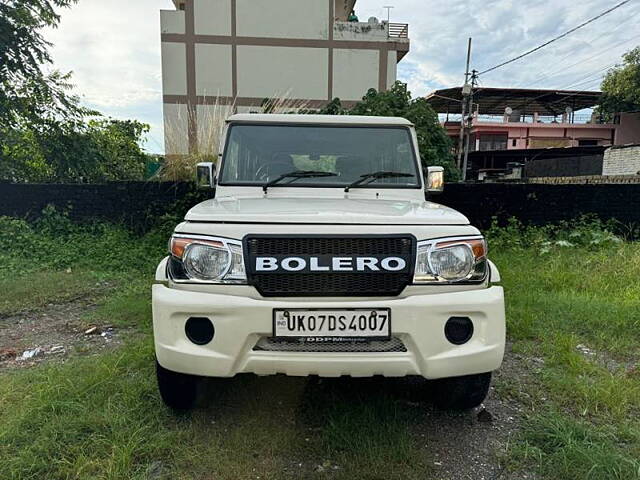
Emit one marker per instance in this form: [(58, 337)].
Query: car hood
[(324, 211)]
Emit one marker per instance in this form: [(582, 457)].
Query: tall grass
[(211, 119), (101, 417)]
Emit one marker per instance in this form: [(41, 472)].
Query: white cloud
[(503, 29), (113, 47)]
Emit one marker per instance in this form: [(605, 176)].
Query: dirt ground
[(53, 334), (469, 444)]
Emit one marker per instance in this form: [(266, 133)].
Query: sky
[(113, 47)]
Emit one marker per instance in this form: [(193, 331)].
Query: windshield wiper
[(368, 178), (296, 175)]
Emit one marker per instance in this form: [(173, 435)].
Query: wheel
[(460, 393), (178, 390)]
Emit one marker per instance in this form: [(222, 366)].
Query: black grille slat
[(334, 284)]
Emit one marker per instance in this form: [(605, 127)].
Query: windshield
[(258, 154)]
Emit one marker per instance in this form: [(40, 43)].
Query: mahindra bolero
[(322, 253)]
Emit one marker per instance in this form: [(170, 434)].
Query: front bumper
[(241, 321)]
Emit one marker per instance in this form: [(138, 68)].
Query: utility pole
[(469, 123), (466, 91)]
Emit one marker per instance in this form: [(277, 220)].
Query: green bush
[(585, 232), (55, 242)]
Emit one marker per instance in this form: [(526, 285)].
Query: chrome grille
[(270, 344)]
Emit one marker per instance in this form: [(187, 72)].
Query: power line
[(583, 80), (595, 75), (565, 68), (551, 71), (529, 52)]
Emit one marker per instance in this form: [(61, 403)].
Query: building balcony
[(374, 31), (371, 31), (492, 132), (573, 120), (398, 30)]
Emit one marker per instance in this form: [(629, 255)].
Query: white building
[(244, 51)]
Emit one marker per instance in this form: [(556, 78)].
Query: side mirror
[(435, 180), (205, 176)]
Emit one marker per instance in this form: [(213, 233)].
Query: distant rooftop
[(526, 101)]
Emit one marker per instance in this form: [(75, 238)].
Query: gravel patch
[(53, 334)]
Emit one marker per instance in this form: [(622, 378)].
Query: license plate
[(341, 325)]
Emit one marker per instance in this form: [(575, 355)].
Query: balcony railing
[(398, 30), (580, 118)]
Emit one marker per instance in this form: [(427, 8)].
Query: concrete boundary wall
[(622, 160), (139, 204)]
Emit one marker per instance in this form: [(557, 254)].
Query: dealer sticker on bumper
[(356, 323)]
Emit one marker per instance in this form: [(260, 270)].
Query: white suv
[(320, 254)]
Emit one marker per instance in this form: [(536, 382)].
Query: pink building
[(516, 119)]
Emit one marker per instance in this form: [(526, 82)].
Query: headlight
[(451, 260), (206, 259)]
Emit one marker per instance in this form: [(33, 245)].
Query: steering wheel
[(264, 172)]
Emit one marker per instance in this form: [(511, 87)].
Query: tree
[(44, 132), (118, 142), (29, 95), (621, 85), (103, 150), (434, 144), (21, 158)]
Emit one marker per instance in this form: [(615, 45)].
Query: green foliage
[(29, 93), (21, 158), (45, 287), (101, 416), (568, 449), (54, 242), (44, 136), (621, 85), (572, 318), (99, 419), (334, 107), (434, 144), (98, 151), (585, 232)]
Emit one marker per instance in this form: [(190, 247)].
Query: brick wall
[(622, 160), (585, 179)]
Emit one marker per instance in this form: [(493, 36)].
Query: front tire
[(178, 390), (460, 393)]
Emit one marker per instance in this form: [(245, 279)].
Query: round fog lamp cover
[(458, 330), (199, 330)]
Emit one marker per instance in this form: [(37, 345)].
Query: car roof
[(319, 119)]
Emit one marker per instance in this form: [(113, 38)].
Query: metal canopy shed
[(526, 101)]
